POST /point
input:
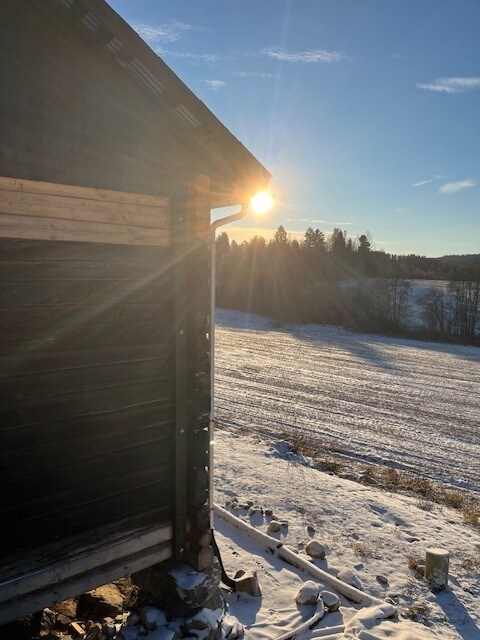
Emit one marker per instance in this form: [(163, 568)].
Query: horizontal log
[(87, 193), (20, 294), (91, 426), (22, 226), (49, 251), (83, 214)]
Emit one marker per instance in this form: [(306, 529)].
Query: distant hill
[(465, 260)]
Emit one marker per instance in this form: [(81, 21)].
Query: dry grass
[(472, 515), (414, 561), (425, 505), (365, 550), (418, 613), (470, 562)]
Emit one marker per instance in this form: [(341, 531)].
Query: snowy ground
[(364, 529), (408, 404)]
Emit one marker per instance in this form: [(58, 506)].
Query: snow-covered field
[(408, 404), (364, 529)]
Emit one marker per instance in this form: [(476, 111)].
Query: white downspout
[(211, 426)]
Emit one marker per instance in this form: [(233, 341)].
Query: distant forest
[(343, 280)]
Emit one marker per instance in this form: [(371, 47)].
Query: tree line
[(343, 280)]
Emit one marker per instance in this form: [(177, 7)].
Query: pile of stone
[(122, 611), (315, 593)]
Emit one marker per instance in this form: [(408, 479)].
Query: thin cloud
[(452, 85), (420, 183), (312, 56), (189, 55), (318, 221), (155, 34), (215, 85), (254, 74), (453, 187)]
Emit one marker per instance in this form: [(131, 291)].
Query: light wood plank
[(16, 226), (87, 193), (137, 211), (85, 214)]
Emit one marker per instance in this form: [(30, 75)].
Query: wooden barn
[(109, 169)]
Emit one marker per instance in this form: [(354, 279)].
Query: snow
[(345, 515), (412, 405), (407, 404)]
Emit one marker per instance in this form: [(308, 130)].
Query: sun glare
[(261, 202)]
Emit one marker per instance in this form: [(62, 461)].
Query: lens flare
[(261, 202)]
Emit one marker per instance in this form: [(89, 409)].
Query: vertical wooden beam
[(180, 295), (191, 227)]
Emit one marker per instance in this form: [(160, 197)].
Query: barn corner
[(109, 169)]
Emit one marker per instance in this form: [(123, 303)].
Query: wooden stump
[(436, 567)]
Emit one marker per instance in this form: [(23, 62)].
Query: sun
[(261, 202)]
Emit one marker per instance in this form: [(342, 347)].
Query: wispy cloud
[(453, 187), (189, 55), (155, 34), (420, 183), (452, 85), (309, 220), (254, 74), (312, 56), (215, 85)]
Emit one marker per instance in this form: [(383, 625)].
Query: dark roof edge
[(177, 89)]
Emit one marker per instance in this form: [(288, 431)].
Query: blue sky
[(366, 111)]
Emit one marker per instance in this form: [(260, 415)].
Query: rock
[(421, 569), (132, 620), (232, 628), (94, 631), (46, 622), (62, 621), (152, 618), (268, 512), (315, 549), (308, 594), (182, 589), (204, 625), (247, 582), (381, 579), (67, 608), (311, 529), (349, 577), (330, 600), (274, 526), (129, 633), (255, 511), (104, 600), (109, 629), (161, 634)]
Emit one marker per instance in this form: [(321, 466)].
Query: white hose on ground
[(277, 548), (305, 626)]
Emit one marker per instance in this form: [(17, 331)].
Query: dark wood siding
[(69, 113), (85, 390)]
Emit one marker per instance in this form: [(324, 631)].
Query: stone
[(152, 618), (128, 633), (308, 594), (349, 577), (205, 624), (46, 622), (255, 511), (67, 608), (330, 600), (181, 590), (274, 526), (381, 579), (268, 512), (311, 529), (232, 628), (132, 620), (161, 634), (94, 631), (315, 549), (247, 582), (109, 629), (104, 600)]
